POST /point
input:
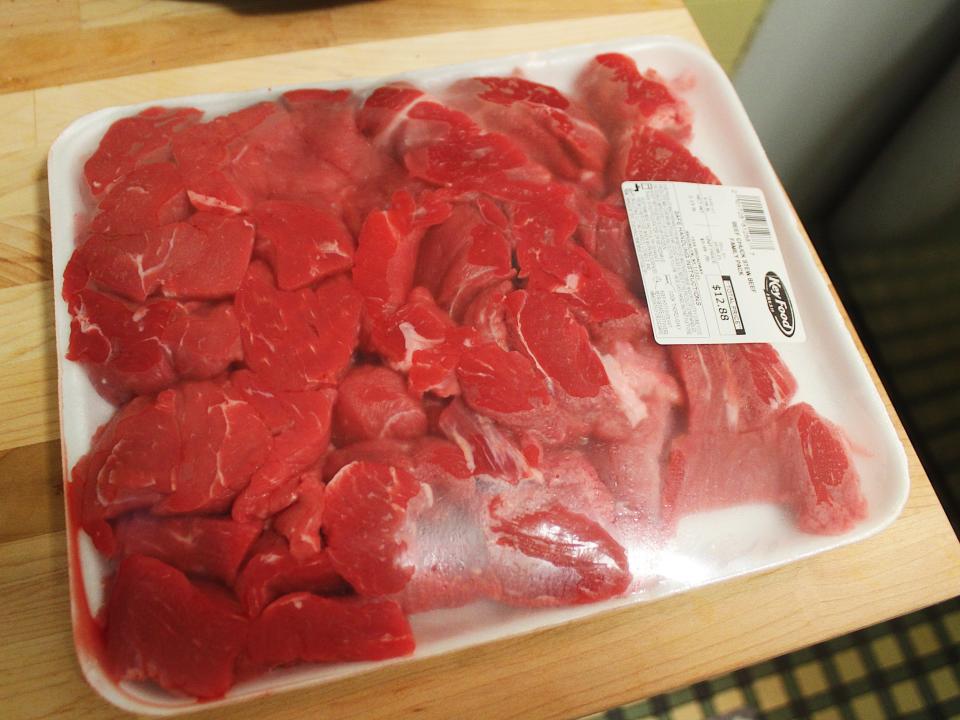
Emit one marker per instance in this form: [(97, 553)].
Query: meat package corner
[(377, 355)]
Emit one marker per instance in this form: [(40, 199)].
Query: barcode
[(755, 222)]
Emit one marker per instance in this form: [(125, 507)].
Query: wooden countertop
[(59, 60)]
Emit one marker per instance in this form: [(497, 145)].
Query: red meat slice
[(732, 387), (608, 239), (327, 120), (421, 340), (429, 459), (387, 248), (545, 124), (640, 377), (297, 340), (621, 97), (140, 349), (798, 460), (544, 329), (121, 345), (384, 110), (211, 260), (507, 387), (456, 152), (445, 541), (589, 565), (204, 340), (204, 258), (551, 548), (487, 449), (211, 547), (300, 523), (160, 627), (485, 261), (223, 443), (633, 467), (541, 213), (373, 402), (147, 197), (134, 141), (301, 243), (448, 550), (216, 191), (235, 159), (593, 294), (498, 381), (364, 518), (486, 314), (654, 155), (444, 243), (824, 482), (571, 479), (132, 464), (306, 628), (273, 570), (300, 424)]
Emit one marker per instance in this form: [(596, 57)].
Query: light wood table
[(61, 59)]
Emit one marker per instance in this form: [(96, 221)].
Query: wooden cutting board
[(563, 673)]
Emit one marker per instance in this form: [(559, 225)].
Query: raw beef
[(300, 522), (131, 465), (161, 627), (138, 349), (364, 518), (299, 421), (605, 234), (422, 340), (273, 570), (301, 243), (543, 328), (327, 121), (222, 443), (655, 155), (429, 459), (301, 627), (379, 355), (203, 258), (385, 262), (211, 547), (486, 315), (448, 549), (134, 141), (255, 153), (191, 449), (621, 97), (549, 542), (487, 448), (550, 129), (373, 402), (797, 460), (732, 387), (297, 339), (148, 197), (593, 294), (507, 387)]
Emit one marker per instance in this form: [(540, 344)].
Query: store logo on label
[(778, 303)]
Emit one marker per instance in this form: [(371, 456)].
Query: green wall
[(727, 26)]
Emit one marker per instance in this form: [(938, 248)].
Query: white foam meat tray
[(708, 547)]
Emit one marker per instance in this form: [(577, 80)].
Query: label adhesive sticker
[(711, 264)]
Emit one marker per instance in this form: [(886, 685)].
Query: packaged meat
[(337, 359)]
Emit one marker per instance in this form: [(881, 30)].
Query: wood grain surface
[(59, 60)]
